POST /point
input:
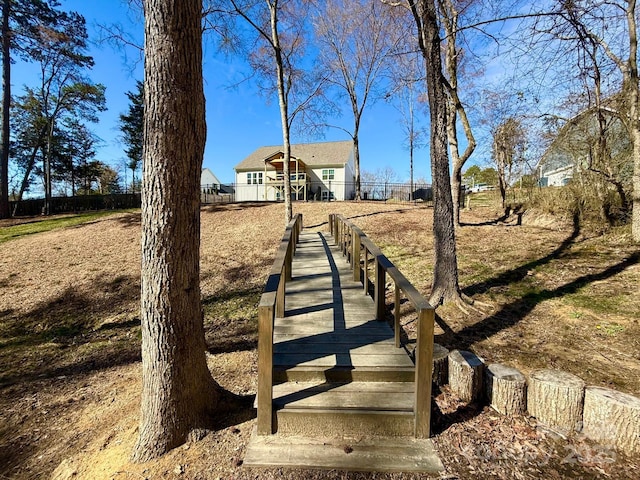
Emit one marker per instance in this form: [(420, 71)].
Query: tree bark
[(445, 279), (612, 418), (456, 109), (6, 105), (634, 97), (179, 395), (440, 374), (556, 399), (466, 375), (506, 389)]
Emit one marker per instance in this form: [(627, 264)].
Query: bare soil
[(550, 293)]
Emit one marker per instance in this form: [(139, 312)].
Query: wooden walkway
[(338, 375)]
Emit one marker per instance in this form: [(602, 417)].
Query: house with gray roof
[(318, 171)]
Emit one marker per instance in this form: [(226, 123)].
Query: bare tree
[(449, 14), (179, 396), (277, 57), (509, 143), (611, 27), (407, 74), (445, 279), (356, 39)]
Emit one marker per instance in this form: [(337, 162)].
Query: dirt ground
[(550, 294)]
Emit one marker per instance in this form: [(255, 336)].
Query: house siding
[(337, 155)]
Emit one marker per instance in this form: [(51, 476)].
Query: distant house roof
[(207, 177), (312, 154)]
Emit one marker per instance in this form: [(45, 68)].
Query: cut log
[(440, 365), (465, 375), (506, 389), (612, 418), (556, 399)]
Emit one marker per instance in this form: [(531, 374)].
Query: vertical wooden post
[(280, 296), (265, 370), (356, 257), (331, 215), (365, 281), (287, 262), (396, 314), (379, 289), (424, 367)]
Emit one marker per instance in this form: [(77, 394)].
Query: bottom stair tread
[(354, 454)]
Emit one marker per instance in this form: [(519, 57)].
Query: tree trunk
[(440, 374), (179, 395), (506, 389), (633, 118), (556, 399), (612, 418), (445, 279), (284, 113), (466, 375), (6, 105), (356, 165)]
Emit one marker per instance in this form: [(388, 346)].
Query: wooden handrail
[(354, 243), (272, 305)]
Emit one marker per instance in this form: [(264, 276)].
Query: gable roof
[(312, 154), (207, 177)]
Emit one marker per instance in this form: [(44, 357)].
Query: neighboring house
[(557, 177), (209, 183), (573, 150), (318, 171)]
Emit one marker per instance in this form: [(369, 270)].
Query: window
[(327, 196), (328, 174), (254, 178)]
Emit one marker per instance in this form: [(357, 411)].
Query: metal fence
[(80, 203), (371, 191)]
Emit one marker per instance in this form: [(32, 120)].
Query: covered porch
[(274, 176)]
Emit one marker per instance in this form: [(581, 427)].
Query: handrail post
[(265, 368), (396, 314), (379, 290), (280, 296), (355, 256), (424, 372), (365, 281)]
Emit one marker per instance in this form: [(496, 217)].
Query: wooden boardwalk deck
[(337, 374), (329, 326)]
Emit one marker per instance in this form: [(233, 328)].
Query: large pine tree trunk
[(445, 278), (178, 392)]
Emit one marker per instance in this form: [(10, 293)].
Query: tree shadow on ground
[(381, 212), (133, 219), (239, 206), (517, 274), (517, 210), (509, 315), (231, 320), (76, 332)]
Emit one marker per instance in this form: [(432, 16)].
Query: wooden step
[(357, 408), (378, 454)]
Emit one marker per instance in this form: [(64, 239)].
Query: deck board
[(329, 321)]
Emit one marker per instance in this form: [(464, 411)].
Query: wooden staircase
[(343, 392)]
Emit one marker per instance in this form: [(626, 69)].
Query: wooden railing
[(360, 252), (271, 306)]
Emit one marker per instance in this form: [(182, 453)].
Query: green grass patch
[(599, 304), (46, 225)]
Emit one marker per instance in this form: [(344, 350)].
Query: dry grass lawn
[(556, 295)]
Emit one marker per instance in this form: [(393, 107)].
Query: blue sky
[(239, 119)]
